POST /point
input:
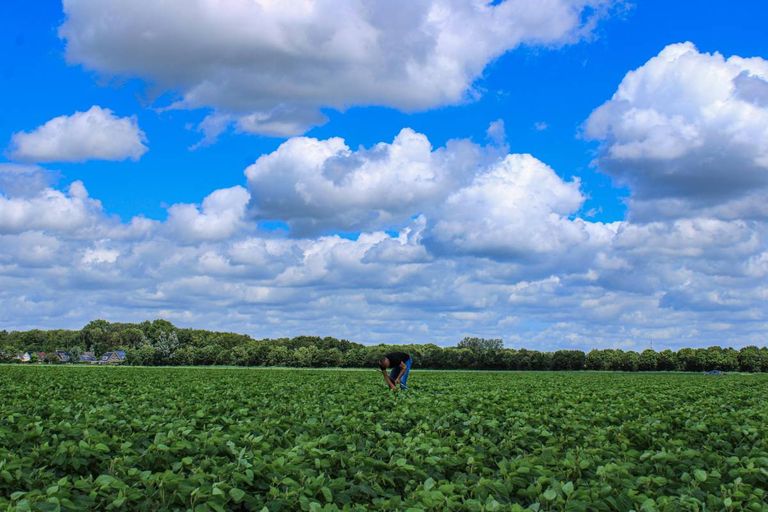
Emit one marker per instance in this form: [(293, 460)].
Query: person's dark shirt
[(395, 358)]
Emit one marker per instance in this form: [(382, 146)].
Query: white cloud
[(318, 185), (220, 216), (49, 209), (484, 243), (23, 180), (274, 65), (96, 134), (100, 255), (497, 133), (517, 209), (31, 248), (688, 132)]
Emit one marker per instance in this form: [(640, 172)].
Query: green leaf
[(700, 475), (237, 494), (104, 480), (568, 488), (550, 494), (215, 506)]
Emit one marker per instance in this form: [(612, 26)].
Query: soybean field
[(145, 439)]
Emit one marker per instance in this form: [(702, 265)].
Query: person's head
[(383, 363)]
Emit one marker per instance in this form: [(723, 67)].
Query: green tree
[(166, 343), (306, 357), (51, 358), (667, 361), (649, 360), (7, 353), (74, 354), (355, 358), (630, 361), (751, 360), (279, 356), (596, 360), (568, 360), (692, 360), (141, 356), (132, 337), (481, 344)]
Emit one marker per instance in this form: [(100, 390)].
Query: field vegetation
[(146, 439)]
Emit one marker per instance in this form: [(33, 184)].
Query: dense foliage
[(161, 343), (80, 438)]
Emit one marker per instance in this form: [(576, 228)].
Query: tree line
[(161, 343)]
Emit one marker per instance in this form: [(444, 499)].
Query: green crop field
[(77, 438)]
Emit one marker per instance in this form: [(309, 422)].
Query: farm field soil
[(79, 438)]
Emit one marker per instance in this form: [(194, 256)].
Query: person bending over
[(400, 363)]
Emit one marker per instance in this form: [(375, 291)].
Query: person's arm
[(400, 375), (389, 381)]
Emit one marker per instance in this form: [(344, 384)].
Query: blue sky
[(544, 80)]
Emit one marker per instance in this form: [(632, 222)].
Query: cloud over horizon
[(491, 244)]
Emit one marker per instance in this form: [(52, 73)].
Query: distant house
[(63, 356), (88, 357), (114, 357), (40, 356), (25, 357)]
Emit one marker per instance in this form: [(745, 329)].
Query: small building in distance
[(40, 356), (63, 356), (113, 357), (25, 357), (88, 357)]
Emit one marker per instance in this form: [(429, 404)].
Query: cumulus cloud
[(23, 180), (688, 132), (49, 209), (219, 217), (475, 200), (96, 134), (32, 248), (318, 185), (478, 241), (274, 65), (519, 208), (100, 255)]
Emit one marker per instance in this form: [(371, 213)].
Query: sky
[(556, 173)]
